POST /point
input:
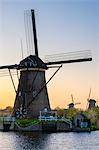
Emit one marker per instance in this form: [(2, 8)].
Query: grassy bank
[(26, 122)]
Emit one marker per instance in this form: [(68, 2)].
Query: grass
[(26, 122)]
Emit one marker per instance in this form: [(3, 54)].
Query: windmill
[(71, 105), (90, 102), (31, 94)]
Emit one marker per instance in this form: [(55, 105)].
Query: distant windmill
[(71, 105), (91, 103), (32, 95)]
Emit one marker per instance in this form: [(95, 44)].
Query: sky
[(62, 26)]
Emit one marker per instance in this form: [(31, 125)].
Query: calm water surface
[(49, 141)]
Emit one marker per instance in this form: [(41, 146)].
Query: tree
[(60, 111), (70, 113)]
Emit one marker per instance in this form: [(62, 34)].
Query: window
[(34, 93)]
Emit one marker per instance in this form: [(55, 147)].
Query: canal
[(49, 141)]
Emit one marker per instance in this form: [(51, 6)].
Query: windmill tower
[(31, 94)]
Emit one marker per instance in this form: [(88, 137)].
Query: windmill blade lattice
[(5, 72), (28, 32), (71, 57)]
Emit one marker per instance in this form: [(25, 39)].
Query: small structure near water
[(7, 123), (81, 121), (51, 122), (48, 115)]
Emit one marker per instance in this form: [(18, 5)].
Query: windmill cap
[(92, 100), (32, 62)]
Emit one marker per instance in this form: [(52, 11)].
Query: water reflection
[(49, 141), (35, 141)]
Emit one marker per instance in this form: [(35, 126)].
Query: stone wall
[(63, 127)]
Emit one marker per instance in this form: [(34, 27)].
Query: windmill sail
[(30, 32), (9, 66), (71, 57), (34, 32)]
